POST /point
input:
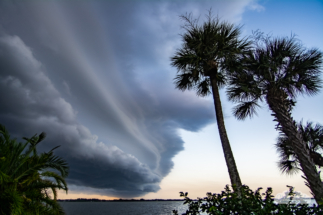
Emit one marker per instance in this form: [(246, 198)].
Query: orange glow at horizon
[(72, 195)]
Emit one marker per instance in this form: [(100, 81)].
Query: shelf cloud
[(96, 77)]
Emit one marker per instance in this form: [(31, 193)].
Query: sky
[(96, 77)]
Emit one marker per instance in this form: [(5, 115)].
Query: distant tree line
[(115, 200)]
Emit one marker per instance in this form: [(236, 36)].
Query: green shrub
[(29, 180), (228, 202)]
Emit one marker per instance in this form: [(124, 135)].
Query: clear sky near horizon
[(96, 77)]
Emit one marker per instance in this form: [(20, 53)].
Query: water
[(127, 208), (123, 208)]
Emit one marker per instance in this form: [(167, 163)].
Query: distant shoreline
[(310, 200), (116, 200)]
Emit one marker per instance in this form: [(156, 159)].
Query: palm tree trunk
[(287, 125), (231, 164)]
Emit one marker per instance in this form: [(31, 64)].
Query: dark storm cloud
[(31, 103), (95, 76)]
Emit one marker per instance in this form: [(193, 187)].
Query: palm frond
[(203, 88), (60, 181), (245, 109), (289, 167), (312, 136), (184, 81), (4, 132)]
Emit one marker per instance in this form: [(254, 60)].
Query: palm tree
[(312, 136), (202, 62), (27, 182), (276, 71)]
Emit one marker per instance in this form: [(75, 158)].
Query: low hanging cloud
[(96, 77)]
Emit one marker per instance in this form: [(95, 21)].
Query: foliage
[(206, 52), (228, 202), (28, 179), (312, 136), (276, 71), (275, 66)]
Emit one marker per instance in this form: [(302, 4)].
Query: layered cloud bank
[(96, 78)]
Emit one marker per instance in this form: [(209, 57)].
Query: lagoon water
[(124, 208)]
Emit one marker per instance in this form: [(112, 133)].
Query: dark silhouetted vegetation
[(29, 180), (276, 70), (250, 202), (202, 61), (312, 136)]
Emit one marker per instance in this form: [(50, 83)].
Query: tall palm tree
[(28, 184), (202, 62), (312, 136), (276, 71)]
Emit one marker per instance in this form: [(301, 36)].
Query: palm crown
[(278, 67), (206, 52)]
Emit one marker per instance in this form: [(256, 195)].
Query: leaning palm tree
[(312, 136), (29, 180), (276, 71), (202, 62)]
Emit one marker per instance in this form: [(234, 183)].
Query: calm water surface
[(124, 208)]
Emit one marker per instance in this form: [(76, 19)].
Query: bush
[(29, 180), (228, 202)]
